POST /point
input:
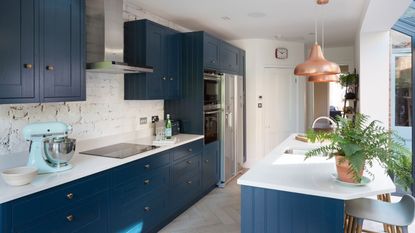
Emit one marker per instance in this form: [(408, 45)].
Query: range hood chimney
[(105, 38)]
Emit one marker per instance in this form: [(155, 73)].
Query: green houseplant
[(357, 144)]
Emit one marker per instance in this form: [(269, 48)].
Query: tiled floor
[(219, 212)]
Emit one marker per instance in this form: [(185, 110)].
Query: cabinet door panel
[(171, 88), (155, 58), (62, 68), (229, 58), (17, 30), (210, 165), (211, 52)]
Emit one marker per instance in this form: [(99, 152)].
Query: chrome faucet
[(325, 118)]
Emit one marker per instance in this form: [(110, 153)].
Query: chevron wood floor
[(217, 212)]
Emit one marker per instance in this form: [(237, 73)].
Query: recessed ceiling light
[(226, 18), (256, 14)]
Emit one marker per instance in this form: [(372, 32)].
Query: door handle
[(49, 67), (28, 66)]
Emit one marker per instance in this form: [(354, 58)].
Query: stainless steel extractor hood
[(105, 38)]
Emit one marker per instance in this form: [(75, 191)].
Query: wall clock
[(281, 53)]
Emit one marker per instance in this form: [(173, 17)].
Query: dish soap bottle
[(168, 131)]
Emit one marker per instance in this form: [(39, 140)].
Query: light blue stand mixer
[(50, 148)]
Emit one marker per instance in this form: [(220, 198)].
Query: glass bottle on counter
[(168, 128)]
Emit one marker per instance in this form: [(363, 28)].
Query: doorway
[(280, 106)]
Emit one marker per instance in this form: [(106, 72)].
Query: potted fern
[(357, 144)]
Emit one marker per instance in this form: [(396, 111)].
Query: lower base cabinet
[(138, 197)]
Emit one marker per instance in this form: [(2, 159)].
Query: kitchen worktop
[(290, 173), (83, 165)]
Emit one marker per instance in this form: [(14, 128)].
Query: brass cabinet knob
[(69, 196), (49, 67), (28, 66), (213, 61), (147, 181), (207, 161), (171, 79), (147, 166), (70, 218), (189, 182), (189, 162), (190, 149), (147, 208), (164, 78)]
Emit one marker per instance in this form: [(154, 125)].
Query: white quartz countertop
[(289, 172), (83, 165)]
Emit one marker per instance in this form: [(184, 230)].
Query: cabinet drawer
[(139, 214), (187, 150), (185, 191), (141, 185), (138, 167), (88, 215), (186, 167), (41, 203)]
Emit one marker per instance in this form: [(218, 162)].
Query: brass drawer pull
[(147, 208), (28, 66), (70, 218), (164, 78), (190, 149), (213, 61), (189, 182), (189, 162), (69, 196), (147, 181), (147, 166), (49, 67)]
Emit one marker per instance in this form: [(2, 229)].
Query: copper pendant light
[(324, 78), (322, 2), (316, 64)]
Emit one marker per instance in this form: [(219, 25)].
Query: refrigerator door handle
[(229, 119)]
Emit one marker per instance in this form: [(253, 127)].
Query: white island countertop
[(290, 173), (83, 165)]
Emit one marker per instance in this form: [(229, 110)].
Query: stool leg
[(359, 223)]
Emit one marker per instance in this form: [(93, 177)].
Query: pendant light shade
[(316, 64), (324, 78)]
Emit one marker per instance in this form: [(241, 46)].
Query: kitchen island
[(283, 193)]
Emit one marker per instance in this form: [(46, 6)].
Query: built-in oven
[(212, 125), (212, 91)]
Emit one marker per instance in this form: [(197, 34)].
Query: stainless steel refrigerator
[(232, 136)]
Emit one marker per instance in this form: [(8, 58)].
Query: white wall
[(374, 75), (260, 54)]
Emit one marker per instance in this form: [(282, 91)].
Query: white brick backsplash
[(104, 113)]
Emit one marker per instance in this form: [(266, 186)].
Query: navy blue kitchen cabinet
[(141, 196), (62, 67), (242, 63), (149, 44), (220, 56), (229, 58), (42, 58), (18, 79), (211, 47), (210, 165)]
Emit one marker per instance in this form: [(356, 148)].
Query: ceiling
[(291, 20)]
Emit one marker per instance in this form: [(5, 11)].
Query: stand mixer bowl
[(59, 151)]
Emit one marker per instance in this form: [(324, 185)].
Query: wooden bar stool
[(399, 214)]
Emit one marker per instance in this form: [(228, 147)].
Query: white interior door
[(280, 106)]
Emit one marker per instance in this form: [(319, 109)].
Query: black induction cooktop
[(120, 150)]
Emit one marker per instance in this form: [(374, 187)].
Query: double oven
[(212, 105)]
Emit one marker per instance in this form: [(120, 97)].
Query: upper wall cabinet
[(62, 68), (42, 51), (149, 44), (17, 57), (220, 56)]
